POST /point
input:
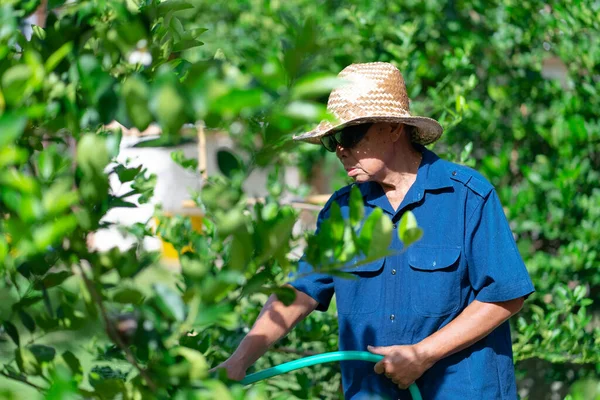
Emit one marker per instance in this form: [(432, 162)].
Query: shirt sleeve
[(495, 267), (317, 285)]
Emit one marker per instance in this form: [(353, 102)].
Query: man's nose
[(340, 151)]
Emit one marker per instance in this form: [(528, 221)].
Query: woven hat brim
[(428, 130)]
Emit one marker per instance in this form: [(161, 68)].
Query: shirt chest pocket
[(434, 279), (362, 291)]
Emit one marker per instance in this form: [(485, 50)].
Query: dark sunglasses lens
[(352, 135), (347, 138), (329, 143)]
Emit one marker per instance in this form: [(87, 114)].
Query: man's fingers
[(379, 368), (378, 350), (403, 386)]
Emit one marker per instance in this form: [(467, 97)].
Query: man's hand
[(235, 371), (402, 364)]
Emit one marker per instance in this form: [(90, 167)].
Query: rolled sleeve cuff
[(494, 294), (313, 291)]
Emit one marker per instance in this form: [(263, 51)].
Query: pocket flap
[(432, 258), (357, 264)]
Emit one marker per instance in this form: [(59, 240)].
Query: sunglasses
[(347, 137)]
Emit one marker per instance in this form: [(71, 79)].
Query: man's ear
[(396, 131)]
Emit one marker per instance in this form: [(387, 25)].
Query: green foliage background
[(82, 323)]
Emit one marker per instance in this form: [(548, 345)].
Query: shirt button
[(434, 263), (392, 317), (453, 173), (395, 225), (393, 272)]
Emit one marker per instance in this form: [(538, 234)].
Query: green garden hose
[(322, 359)]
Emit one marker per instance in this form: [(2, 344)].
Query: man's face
[(367, 160)]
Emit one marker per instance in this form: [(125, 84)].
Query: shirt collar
[(431, 175)]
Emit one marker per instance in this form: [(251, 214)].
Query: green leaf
[(11, 331), (215, 315), (108, 383), (235, 101), (256, 282), (95, 82), (408, 231), (198, 366), (169, 107), (92, 155), (276, 238), (56, 57), (58, 198), (170, 302), (113, 142), (19, 181), (116, 202), (306, 111), (106, 372), (136, 93), (172, 6), (193, 267), (376, 234), (15, 81), (48, 161), (315, 85), (72, 362), (229, 164), (186, 44), (27, 301), (577, 127), (11, 155), (27, 321), (52, 279), (144, 185), (466, 152), (241, 250), (284, 294), (188, 163), (229, 222), (26, 361), (42, 353), (357, 206), (39, 32), (128, 296), (54, 231), (332, 229), (11, 126)]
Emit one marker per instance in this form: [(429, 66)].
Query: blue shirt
[(467, 253)]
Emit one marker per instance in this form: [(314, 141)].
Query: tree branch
[(112, 332), (23, 380)]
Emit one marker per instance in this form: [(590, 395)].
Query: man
[(438, 312)]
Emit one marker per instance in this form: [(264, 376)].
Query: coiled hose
[(322, 359)]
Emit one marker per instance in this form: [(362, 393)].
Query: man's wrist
[(428, 352), (239, 361)]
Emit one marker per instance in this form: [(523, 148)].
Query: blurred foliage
[(96, 62), (514, 84)]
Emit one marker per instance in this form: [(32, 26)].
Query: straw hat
[(372, 92)]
